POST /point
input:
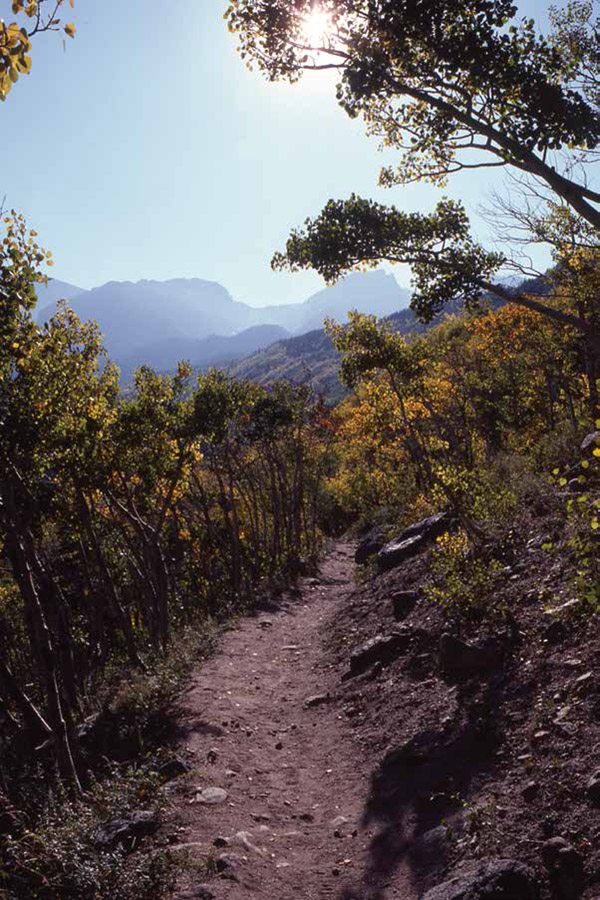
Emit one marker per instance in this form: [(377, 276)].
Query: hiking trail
[(279, 785)]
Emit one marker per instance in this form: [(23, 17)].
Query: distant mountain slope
[(310, 358), (374, 292), (160, 322), (132, 316), (215, 350), (49, 293)]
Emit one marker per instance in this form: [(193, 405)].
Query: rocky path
[(276, 798)]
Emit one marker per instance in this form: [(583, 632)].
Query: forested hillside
[(325, 625), (310, 359)]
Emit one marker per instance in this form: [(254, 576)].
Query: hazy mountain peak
[(158, 322)]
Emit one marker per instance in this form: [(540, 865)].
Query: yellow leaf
[(70, 29)]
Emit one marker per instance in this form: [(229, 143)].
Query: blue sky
[(147, 150)]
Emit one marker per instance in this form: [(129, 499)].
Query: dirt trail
[(289, 771)]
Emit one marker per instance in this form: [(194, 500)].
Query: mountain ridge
[(150, 322)]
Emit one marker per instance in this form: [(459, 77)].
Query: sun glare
[(317, 26)]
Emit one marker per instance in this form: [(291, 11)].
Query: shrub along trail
[(291, 782)]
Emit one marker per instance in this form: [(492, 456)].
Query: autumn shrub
[(460, 581)]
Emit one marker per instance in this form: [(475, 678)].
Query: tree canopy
[(466, 85), (33, 17), (451, 85)]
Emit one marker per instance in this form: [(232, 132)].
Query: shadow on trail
[(416, 793)]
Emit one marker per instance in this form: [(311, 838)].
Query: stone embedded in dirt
[(403, 603), (412, 541), (226, 865), (260, 817), (317, 700), (370, 544), (567, 607), (306, 817), (456, 657), (211, 796), (498, 879), (380, 649), (339, 825), (565, 868), (584, 683), (571, 662), (431, 526), (593, 789), (339, 822), (212, 756), (245, 839), (562, 714), (220, 841), (126, 830)]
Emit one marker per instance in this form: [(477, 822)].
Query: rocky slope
[(484, 734)]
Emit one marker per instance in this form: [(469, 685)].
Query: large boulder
[(411, 541), (497, 879), (370, 544)]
